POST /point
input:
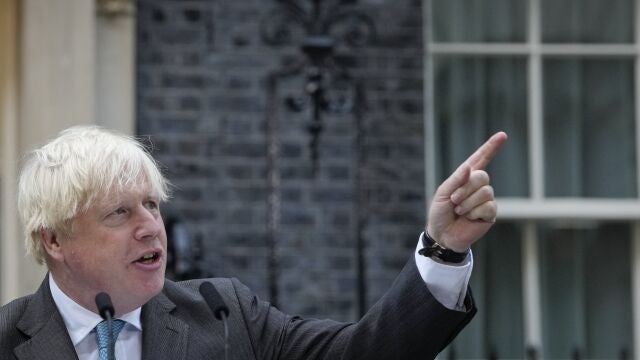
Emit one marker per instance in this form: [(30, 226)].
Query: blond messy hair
[(67, 175)]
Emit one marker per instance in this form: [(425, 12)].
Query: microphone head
[(103, 302), (214, 300)]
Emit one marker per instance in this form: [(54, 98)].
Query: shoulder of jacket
[(12, 312)]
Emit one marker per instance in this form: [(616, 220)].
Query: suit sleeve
[(406, 322)]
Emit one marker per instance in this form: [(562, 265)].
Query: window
[(555, 277)]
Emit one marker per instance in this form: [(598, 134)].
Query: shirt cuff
[(447, 283)]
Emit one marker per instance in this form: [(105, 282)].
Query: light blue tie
[(102, 330)]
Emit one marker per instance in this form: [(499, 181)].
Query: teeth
[(148, 256)]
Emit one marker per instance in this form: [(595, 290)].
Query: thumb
[(459, 177)]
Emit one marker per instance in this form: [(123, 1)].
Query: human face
[(117, 246)]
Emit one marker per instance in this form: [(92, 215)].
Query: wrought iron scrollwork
[(348, 26), (325, 32), (323, 29), (353, 27)]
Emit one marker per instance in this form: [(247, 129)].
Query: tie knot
[(102, 331)]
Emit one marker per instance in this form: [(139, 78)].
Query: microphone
[(218, 307), (214, 300), (105, 308)]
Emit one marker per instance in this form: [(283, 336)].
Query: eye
[(152, 204), (119, 211)]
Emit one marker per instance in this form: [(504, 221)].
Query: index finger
[(483, 155)]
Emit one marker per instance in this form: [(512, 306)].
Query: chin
[(155, 285), (143, 293)]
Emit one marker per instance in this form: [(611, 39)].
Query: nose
[(149, 224)]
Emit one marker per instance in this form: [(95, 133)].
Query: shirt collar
[(80, 321)]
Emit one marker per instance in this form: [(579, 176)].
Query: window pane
[(586, 291), (479, 20), (589, 128), (496, 281), (475, 97), (587, 21)]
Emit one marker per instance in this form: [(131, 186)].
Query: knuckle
[(488, 191), (493, 207), (481, 177), (485, 177)]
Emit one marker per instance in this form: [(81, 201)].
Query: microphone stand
[(226, 334), (111, 346), (106, 310), (218, 308)]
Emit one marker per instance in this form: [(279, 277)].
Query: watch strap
[(433, 249)]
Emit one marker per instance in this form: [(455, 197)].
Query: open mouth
[(149, 258)]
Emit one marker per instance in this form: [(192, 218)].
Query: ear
[(51, 244)]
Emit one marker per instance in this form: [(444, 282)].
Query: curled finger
[(479, 197), (486, 212), (477, 179)]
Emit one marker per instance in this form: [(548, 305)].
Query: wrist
[(440, 239), (438, 252)]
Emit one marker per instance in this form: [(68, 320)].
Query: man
[(90, 201)]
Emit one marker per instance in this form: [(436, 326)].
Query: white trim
[(530, 258), (524, 49), (115, 71), (637, 97), (635, 287), (429, 126), (635, 240), (531, 288), (536, 137), (569, 208)]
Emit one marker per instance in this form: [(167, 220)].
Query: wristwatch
[(433, 249)]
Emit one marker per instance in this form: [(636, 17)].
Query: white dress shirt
[(81, 324), (447, 283)]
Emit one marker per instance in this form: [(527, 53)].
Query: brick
[(296, 172), (190, 103), (290, 151), (240, 172), (250, 150), (180, 36), (291, 195), (183, 81), (192, 15), (251, 195), (338, 172), (297, 217), (240, 104), (182, 124), (335, 195)]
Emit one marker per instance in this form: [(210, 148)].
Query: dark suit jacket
[(407, 323)]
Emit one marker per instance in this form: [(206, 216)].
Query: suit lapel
[(164, 336), (44, 325)]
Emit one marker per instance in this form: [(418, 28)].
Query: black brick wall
[(201, 68)]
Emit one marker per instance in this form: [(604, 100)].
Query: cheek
[(83, 259), (91, 257), (163, 236), (75, 255), (83, 265)]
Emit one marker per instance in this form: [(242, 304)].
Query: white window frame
[(535, 208)]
